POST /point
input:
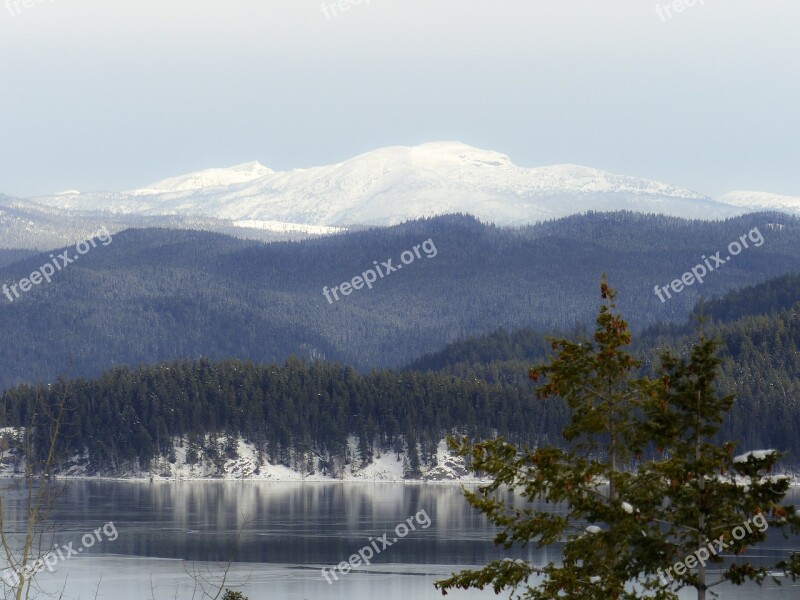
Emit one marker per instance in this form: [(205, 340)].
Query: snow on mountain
[(762, 201), (395, 184), (287, 228), (206, 179)]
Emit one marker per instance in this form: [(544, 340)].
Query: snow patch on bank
[(238, 459)]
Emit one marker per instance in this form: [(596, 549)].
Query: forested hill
[(157, 295), (761, 354), (298, 415), (8, 256), (501, 346), (302, 415), (770, 298), (764, 298)]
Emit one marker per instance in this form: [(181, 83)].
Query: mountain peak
[(243, 173), (436, 154)]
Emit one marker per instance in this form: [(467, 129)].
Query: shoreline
[(794, 483), (155, 480)]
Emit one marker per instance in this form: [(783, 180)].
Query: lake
[(169, 539)]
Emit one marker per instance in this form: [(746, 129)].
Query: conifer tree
[(710, 501), (624, 520)]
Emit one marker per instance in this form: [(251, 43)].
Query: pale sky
[(115, 94)]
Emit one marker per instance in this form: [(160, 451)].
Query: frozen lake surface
[(279, 536)]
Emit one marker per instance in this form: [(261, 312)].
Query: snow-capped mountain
[(753, 201), (395, 184), (383, 187)]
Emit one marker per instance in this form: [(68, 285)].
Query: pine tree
[(710, 501), (641, 517)]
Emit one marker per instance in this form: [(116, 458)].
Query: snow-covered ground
[(386, 466)]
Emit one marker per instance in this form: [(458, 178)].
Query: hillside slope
[(156, 295)]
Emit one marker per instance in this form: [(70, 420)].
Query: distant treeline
[(298, 414)]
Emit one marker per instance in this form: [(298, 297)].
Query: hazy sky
[(111, 94)]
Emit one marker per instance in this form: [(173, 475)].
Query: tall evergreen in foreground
[(625, 532), (710, 501)]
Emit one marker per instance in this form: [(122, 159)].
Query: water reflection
[(288, 532)]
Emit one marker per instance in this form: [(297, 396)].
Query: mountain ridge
[(755, 201), (162, 294), (391, 185), (382, 187)]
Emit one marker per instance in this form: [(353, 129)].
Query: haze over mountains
[(379, 188)]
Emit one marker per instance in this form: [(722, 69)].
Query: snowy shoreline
[(155, 480), (248, 465)]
